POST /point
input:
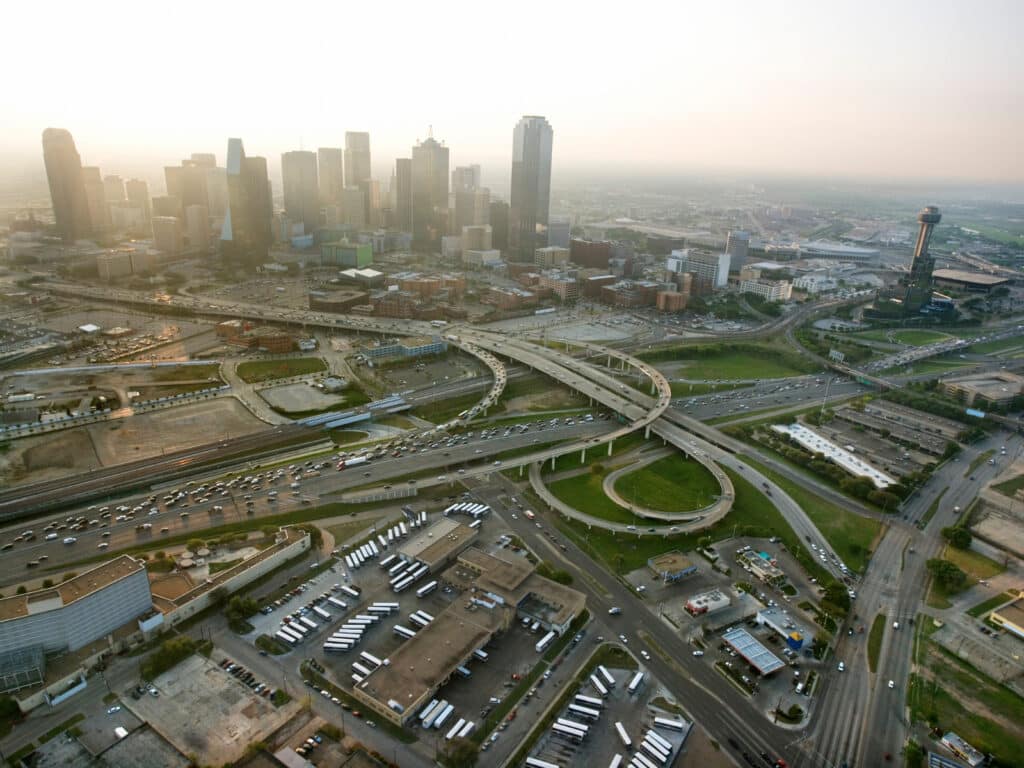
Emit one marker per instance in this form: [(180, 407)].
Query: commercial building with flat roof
[(962, 749), (671, 566), (995, 388), (77, 611), (707, 602), (1010, 617), (412, 346), (752, 651), (435, 545), (346, 254), (977, 282)]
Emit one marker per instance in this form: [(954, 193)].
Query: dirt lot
[(204, 711)]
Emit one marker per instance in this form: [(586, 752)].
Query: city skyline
[(865, 92)]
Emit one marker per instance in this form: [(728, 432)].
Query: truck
[(355, 461), (529, 514)]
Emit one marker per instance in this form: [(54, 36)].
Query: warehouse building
[(976, 282)]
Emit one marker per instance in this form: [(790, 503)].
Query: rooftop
[(750, 648), (503, 575), (74, 589), (963, 276), (1013, 613)]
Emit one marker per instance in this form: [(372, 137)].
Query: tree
[(958, 536), (219, 596), (47, 583), (69, 575), (21, 590), (194, 545), (948, 575), (837, 596), (462, 753)]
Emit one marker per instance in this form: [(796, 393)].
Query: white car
[(698, 654), (623, 639), (892, 683), (842, 666), (646, 655), (103, 545), (70, 540)]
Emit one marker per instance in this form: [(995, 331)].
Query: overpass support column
[(521, 469), (654, 389), (583, 456), (552, 463), (647, 432), (610, 444), (609, 363)]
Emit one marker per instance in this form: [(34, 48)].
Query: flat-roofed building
[(336, 301), (1010, 617), (707, 602), (995, 388), (977, 282), (551, 256), (671, 566), (769, 290), (439, 543), (411, 346)]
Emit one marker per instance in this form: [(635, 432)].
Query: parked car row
[(247, 678)]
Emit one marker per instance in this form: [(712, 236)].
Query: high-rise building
[(187, 181), (357, 157), (197, 227), (217, 192), (531, 187), (167, 235), (469, 207), (372, 205), (429, 194), (353, 210), (559, 232), (919, 281), (67, 187), (498, 219), (113, 189), (204, 159), (246, 233), (96, 198), (466, 178), (403, 194), (301, 192), (329, 173), (476, 238), (737, 245), (137, 192)]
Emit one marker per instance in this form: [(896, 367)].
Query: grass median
[(875, 640)]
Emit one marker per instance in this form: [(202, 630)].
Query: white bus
[(391, 536), (533, 762), (444, 715), (655, 751), (658, 739), (480, 654), (428, 721), (374, 550), (361, 669), (616, 762), (417, 620), (427, 709), (466, 729), (475, 524), (371, 659), (350, 592), (383, 541), (643, 761), (455, 729), (672, 725), (576, 737), (588, 701), (284, 637), (379, 610), (402, 585), (388, 561), (309, 624), (398, 567), (294, 636), (321, 613), (607, 676), (574, 725), (463, 671), (297, 628), (426, 589), (636, 682), (337, 603), (425, 616), (535, 627), (405, 531), (356, 679), (372, 618), (420, 571), (403, 632), (598, 685), (585, 712), (348, 563), (337, 646), (545, 641), (623, 736)]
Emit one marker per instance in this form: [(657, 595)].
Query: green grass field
[(671, 484), (979, 610), (1001, 345), (596, 455), (974, 564), (735, 361), (584, 492), (850, 535), (932, 508), (916, 337), (875, 640), (1011, 486), (184, 373), (266, 370), (342, 532)]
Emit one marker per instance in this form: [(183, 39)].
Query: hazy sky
[(877, 89)]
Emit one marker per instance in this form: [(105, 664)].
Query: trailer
[(672, 725), (545, 641), (337, 603), (444, 715), (588, 701), (585, 712), (426, 589), (606, 676), (321, 613), (403, 632), (623, 736), (598, 685), (635, 683)]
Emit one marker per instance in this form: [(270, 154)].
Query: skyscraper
[(197, 227), (737, 245), (67, 188), (246, 233), (329, 173), (919, 281), (96, 199), (429, 194), (187, 181), (531, 187), (498, 219), (466, 178), (370, 189), (301, 192), (137, 191), (113, 189), (403, 194), (357, 157)]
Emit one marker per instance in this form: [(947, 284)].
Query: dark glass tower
[(246, 235), (531, 187), (67, 186), (301, 194)]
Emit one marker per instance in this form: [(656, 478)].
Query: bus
[(372, 617), (420, 571), (311, 625), (356, 679), (607, 676), (337, 647), (672, 725), (535, 627), (417, 620), (286, 638), (295, 637), (425, 616), (576, 737), (623, 736), (337, 603), (574, 725), (545, 641), (463, 671), (598, 685), (533, 762), (374, 550), (383, 541), (588, 701), (361, 669), (428, 721), (427, 710), (480, 654), (371, 659), (475, 524), (426, 589), (616, 762), (655, 751), (391, 536), (298, 629), (350, 592), (379, 610), (636, 682), (444, 715), (641, 760), (658, 739), (396, 568), (403, 632), (321, 613), (403, 529), (348, 563), (388, 561), (455, 729), (466, 729), (402, 585), (585, 712)]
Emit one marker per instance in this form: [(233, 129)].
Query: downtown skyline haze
[(911, 90)]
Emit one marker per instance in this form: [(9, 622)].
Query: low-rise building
[(962, 749), (561, 285), (1010, 617), (481, 258), (550, 257), (671, 301), (342, 253), (336, 301), (671, 566), (411, 346), (707, 602), (769, 290), (995, 388)]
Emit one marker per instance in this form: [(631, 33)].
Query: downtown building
[(67, 186), (301, 191), (246, 233), (429, 194), (531, 187)]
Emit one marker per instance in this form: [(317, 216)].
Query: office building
[(111, 266), (217, 192), (353, 210), (204, 159), (357, 157), (466, 178), (188, 181), (67, 187), (301, 191), (137, 192), (246, 234), (476, 238), (167, 205), (531, 187), (590, 253), (469, 207), (737, 245), (564, 286), (113, 189), (197, 227), (346, 255), (330, 175), (167, 234), (479, 258), (403, 194), (769, 290), (551, 256), (96, 199), (372, 205), (498, 219), (559, 231), (429, 194), (706, 267), (671, 301)]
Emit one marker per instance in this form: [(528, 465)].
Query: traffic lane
[(126, 534)]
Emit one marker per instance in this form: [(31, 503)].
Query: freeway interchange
[(856, 721)]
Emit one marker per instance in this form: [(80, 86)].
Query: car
[(623, 639), (114, 709), (646, 655), (842, 666), (614, 611), (892, 683), (103, 545), (698, 654), (153, 691)]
